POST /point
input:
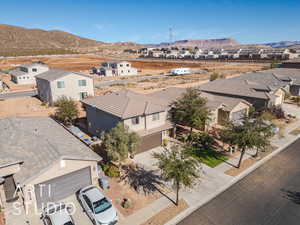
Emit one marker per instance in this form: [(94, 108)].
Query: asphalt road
[(268, 196), (18, 94)]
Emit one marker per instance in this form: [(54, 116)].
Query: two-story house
[(147, 114), (56, 83), (108, 69), (25, 74), (141, 113)]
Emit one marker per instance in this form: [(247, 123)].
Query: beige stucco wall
[(9, 170), (55, 171), (239, 107), (280, 97), (72, 89), (135, 127), (146, 122), (150, 124)]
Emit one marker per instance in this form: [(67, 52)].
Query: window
[(122, 71), (82, 83), (135, 120), (127, 65), (34, 69), (60, 84), (155, 116), (121, 65), (128, 71)]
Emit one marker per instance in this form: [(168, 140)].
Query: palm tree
[(177, 167)]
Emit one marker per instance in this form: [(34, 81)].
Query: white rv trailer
[(180, 71)]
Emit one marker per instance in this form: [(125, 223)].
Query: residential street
[(268, 196), (18, 94)]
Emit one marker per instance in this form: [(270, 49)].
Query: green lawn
[(210, 157)]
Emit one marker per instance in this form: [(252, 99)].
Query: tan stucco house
[(147, 114), (121, 68), (56, 83), (42, 162)]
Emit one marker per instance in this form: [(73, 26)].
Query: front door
[(83, 95)]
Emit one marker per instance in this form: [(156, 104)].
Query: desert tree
[(248, 133), (66, 110), (119, 143), (178, 167), (190, 110)]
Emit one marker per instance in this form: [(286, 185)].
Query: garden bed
[(120, 190), (249, 162)]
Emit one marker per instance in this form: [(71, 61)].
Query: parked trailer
[(180, 71)]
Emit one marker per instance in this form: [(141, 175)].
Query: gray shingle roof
[(283, 73), (54, 74), (236, 88), (38, 143), (266, 78), (17, 72)]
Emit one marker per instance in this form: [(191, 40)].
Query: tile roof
[(38, 143), (125, 104)]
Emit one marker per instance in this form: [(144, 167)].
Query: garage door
[(62, 187), (150, 141), (238, 115)]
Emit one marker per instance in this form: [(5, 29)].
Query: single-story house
[(42, 162), (291, 77), (56, 83), (257, 94), (25, 74)]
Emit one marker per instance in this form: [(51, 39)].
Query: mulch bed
[(249, 162), (167, 214)]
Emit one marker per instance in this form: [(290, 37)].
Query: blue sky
[(143, 21)]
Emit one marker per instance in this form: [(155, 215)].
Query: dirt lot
[(120, 190), (24, 107)]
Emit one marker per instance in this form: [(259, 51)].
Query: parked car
[(98, 208), (57, 214)]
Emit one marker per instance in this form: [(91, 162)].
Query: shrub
[(213, 76), (66, 110), (111, 170), (268, 116), (277, 112)]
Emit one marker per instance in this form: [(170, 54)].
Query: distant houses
[(25, 74), (228, 54), (108, 69)]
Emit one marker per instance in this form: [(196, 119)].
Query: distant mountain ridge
[(283, 44), (204, 44), (14, 39)]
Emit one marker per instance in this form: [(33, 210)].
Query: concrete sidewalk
[(213, 181)]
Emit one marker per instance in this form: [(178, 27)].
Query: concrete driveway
[(146, 160)]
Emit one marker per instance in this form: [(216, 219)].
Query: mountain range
[(22, 41)]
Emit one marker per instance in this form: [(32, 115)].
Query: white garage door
[(62, 187)]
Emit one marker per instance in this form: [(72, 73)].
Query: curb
[(190, 210)]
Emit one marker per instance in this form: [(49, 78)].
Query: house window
[(155, 116), (82, 83), (128, 71), (127, 65), (122, 71), (34, 69), (60, 84), (121, 65), (135, 120)]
